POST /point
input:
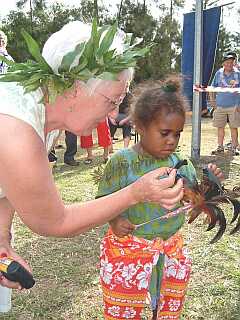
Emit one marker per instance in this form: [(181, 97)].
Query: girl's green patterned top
[(125, 167)]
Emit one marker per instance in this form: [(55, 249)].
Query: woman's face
[(89, 110)]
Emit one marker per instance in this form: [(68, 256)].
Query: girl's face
[(160, 138)]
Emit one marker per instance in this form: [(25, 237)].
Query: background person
[(104, 141), (122, 120), (226, 104), (29, 189), (71, 149), (3, 52)]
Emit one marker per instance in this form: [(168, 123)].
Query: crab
[(205, 197)]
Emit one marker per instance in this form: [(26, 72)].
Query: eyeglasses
[(115, 103)]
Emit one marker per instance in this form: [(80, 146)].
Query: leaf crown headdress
[(95, 59)]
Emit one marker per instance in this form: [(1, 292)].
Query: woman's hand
[(152, 188), (121, 227), (216, 171), (7, 251)]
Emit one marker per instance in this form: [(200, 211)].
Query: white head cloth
[(66, 39)]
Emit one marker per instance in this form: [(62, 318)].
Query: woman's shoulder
[(12, 93), (26, 107)]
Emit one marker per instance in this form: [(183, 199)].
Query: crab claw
[(236, 208), (222, 223), (194, 213), (237, 228)]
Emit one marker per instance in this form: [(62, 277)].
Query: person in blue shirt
[(226, 104)]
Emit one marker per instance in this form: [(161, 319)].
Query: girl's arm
[(121, 226), (28, 184)]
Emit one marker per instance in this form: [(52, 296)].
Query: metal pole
[(197, 79)]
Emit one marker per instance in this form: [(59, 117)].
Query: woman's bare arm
[(6, 217), (29, 186)]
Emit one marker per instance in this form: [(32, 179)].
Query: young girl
[(135, 260)]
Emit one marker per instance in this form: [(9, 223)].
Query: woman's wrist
[(136, 192), (5, 238)]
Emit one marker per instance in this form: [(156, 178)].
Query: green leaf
[(12, 77), (32, 79), (8, 62), (85, 74), (99, 34), (34, 49), (68, 59), (32, 87), (108, 76), (108, 56), (94, 36), (107, 40), (82, 64), (136, 41), (127, 41)]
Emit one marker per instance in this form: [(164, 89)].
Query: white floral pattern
[(129, 313), (129, 271), (114, 311), (175, 269), (174, 304), (144, 276), (106, 271)]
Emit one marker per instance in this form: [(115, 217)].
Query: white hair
[(66, 39), (125, 75)]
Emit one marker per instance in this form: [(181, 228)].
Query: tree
[(96, 9), (225, 42), (37, 4), (208, 4), (173, 4), (134, 17)]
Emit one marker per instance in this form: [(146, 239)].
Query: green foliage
[(94, 56), (225, 41)]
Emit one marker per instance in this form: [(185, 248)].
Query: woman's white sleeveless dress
[(26, 107)]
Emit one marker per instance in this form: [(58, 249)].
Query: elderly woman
[(3, 52), (28, 124)]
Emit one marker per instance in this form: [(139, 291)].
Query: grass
[(66, 270)]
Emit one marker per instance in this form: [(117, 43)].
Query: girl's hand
[(216, 171), (163, 191), (121, 227), (7, 251)]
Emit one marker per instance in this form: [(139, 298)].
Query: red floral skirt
[(125, 273)]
